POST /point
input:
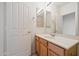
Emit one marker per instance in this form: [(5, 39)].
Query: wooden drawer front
[(50, 53), (56, 49), (44, 42)]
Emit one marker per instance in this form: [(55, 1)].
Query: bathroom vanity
[(47, 45)]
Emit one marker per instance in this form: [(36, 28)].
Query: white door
[(1, 28), (27, 28), (18, 29)]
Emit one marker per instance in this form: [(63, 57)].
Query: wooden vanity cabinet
[(46, 48)]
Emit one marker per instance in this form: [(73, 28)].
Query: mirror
[(50, 23), (48, 19), (40, 19), (68, 26)]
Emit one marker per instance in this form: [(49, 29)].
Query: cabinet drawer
[(56, 49), (44, 42), (50, 53)]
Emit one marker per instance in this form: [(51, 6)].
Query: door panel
[(18, 37), (26, 29), (13, 35)]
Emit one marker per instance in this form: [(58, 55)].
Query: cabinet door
[(78, 50), (43, 50), (50, 53), (37, 46)]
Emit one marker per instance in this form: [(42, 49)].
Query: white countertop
[(59, 40)]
